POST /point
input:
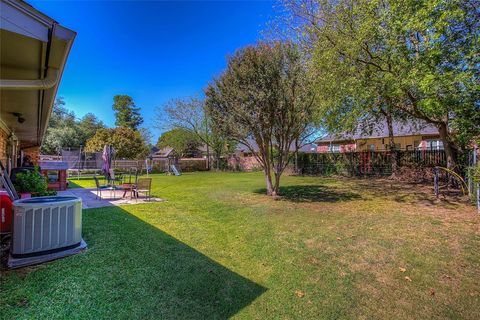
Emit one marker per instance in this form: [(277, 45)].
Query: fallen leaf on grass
[(299, 293), (408, 278), (22, 303), (402, 269), (432, 292)]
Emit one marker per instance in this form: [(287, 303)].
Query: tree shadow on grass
[(131, 270), (409, 193), (313, 193)]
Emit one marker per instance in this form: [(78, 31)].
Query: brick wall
[(346, 147), (33, 153)]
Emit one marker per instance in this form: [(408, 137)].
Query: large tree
[(60, 138), (420, 56), (127, 114), (128, 143), (191, 114), (184, 142), (66, 131), (264, 95), (88, 126)]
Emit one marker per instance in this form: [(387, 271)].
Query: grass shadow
[(313, 193), (409, 193), (131, 270)]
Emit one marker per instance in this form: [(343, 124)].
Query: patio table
[(127, 187)]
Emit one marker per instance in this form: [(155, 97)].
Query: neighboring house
[(408, 136), (162, 154), (244, 151), (244, 158), (201, 152), (33, 54)]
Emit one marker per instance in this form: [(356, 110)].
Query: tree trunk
[(218, 156), (391, 144), (296, 156), (296, 162), (208, 157), (449, 147), (276, 187), (268, 180)]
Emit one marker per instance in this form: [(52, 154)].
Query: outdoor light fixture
[(19, 116)]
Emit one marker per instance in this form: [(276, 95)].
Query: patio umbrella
[(107, 160)]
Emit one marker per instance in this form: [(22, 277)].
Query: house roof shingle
[(307, 148), (381, 131)]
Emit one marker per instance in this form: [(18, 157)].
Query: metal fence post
[(435, 182), (474, 158)]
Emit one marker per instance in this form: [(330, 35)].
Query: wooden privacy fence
[(128, 164), (367, 162)]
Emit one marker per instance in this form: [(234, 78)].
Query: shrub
[(33, 182), (476, 173)]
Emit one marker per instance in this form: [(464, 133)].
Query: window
[(52, 176), (434, 145), (334, 148)]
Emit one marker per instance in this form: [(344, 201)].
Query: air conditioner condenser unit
[(44, 229)]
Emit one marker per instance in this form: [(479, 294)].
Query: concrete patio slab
[(89, 199)]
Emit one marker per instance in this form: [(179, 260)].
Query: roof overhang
[(33, 52)]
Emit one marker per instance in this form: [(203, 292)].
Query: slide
[(175, 170)]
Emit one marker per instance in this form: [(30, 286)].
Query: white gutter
[(39, 84)]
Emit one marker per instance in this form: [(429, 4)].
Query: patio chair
[(101, 187), (112, 178), (144, 186)]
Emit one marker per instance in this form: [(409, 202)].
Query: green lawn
[(84, 182), (218, 248)]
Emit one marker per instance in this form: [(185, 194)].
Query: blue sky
[(153, 51)]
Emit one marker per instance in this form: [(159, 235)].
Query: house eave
[(32, 59)]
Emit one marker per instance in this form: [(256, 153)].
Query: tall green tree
[(61, 116), (66, 131), (191, 114), (88, 125), (264, 95), (147, 136), (420, 56), (128, 143), (184, 142), (60, 138), (127, 114)]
